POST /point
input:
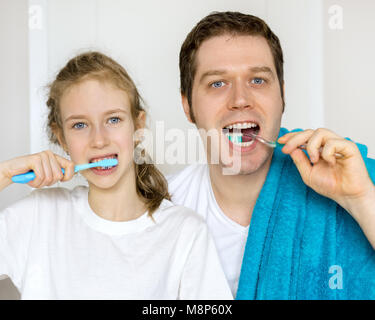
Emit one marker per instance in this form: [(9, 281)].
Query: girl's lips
[(112, 155), (106, 172)]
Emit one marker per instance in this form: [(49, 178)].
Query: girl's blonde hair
[(151, 185)]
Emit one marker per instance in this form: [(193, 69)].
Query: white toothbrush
[(29, 176)]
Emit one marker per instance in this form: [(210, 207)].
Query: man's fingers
[(344, 148), (317, 140), (313, 140), (297, 139), (284, 139), (303, 165)]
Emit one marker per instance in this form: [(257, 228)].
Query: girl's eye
[(257, 81), (79, 125), (114, 120), (217, 84)]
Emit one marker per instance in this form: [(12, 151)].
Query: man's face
[(236, 89)]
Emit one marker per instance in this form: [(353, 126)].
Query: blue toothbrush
[(29, 176), (271, 144)]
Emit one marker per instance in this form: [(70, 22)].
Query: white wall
[(14, 108), (349, 72)]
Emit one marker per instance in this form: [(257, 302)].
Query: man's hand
[(335, 170)]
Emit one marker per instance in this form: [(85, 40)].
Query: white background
[(328, 72)]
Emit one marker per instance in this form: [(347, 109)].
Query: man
[(307, 212)]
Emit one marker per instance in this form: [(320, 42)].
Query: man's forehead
[(226, 52)]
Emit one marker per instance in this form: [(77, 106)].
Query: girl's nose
[(99, 138)]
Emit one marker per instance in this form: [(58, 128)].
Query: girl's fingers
[(47, 168), (48, 172), (68, 167), (37, 166), (56, 168)]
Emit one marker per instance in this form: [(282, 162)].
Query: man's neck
[(236, 195)]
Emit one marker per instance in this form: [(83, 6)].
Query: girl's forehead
[(93, 97)]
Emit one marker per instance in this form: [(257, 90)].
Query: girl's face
[(97, 124)]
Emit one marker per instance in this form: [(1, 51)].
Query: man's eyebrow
[(220, 72), (211, 73), (79, 116), (264, 69)]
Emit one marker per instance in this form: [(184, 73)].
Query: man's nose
[(241, 97), (99, 137)]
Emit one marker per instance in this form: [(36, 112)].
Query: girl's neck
[(118, 203)]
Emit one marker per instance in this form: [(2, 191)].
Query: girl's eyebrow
[(115, 111), (79, 116)]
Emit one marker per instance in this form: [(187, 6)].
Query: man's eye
[(79, 125), (217, 84), (114, 120), (257, 81)]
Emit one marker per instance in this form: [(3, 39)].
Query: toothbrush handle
[(26, 177)]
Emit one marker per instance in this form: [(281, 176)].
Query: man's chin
[(245, 167)]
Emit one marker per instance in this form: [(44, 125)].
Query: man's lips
[(239, 133), (245, 124)]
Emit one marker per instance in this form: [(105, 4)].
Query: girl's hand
[(46, 166), (335, 170)]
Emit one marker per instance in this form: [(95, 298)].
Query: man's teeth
[(236, 136), (243, 125)]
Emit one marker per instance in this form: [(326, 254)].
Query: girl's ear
[(59, 134), (140, 124), (141, 120)]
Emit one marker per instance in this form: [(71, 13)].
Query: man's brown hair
[(217, 24)]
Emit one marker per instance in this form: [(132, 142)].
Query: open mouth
[(97, 159), (240, 133)]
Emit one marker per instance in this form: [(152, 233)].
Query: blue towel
[(302, 245)]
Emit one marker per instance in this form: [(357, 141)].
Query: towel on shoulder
[(302, 245)]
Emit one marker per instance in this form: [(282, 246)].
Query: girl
[(118, 238)]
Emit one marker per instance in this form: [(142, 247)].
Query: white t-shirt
[(192, 188), (53, 246)]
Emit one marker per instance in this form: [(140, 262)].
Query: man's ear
[(283, 88), (186, 106)]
